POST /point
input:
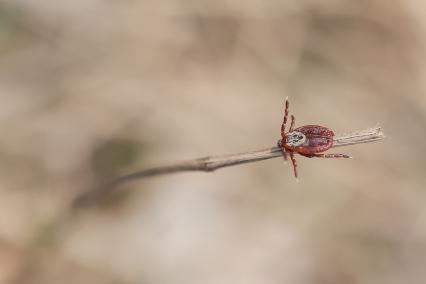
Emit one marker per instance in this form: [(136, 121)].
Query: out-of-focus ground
[(92, 89)]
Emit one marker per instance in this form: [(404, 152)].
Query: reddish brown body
[(318, 139), (309, 141)]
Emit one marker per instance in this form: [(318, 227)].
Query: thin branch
[(211, 163)]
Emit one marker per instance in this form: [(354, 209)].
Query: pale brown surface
[(91, 89), (212, 163)]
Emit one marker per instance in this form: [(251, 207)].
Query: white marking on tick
[(295, 138)]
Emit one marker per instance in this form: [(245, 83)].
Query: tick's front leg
[(287, 104), (293, 160), (280, 145)]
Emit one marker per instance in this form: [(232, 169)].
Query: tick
[(308, 140)]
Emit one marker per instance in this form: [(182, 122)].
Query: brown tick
[(307, 140)]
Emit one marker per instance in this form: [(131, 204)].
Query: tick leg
[(280, 145), (292, 123), (293, 160), (284, 155), (285, 118), (326, 155)]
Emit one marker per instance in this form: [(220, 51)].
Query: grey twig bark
[(211, 163)]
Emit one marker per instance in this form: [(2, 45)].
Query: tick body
[(309, 140)]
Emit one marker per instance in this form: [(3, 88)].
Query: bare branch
[(211, 163)]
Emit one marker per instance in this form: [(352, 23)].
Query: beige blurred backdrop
[(91, 89)]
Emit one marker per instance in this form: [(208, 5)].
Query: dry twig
[(211, 163)]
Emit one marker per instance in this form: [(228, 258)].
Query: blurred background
[(91, 89)]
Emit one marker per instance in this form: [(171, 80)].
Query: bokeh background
[(92, 89)]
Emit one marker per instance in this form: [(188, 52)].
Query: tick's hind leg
[(326, 156)]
